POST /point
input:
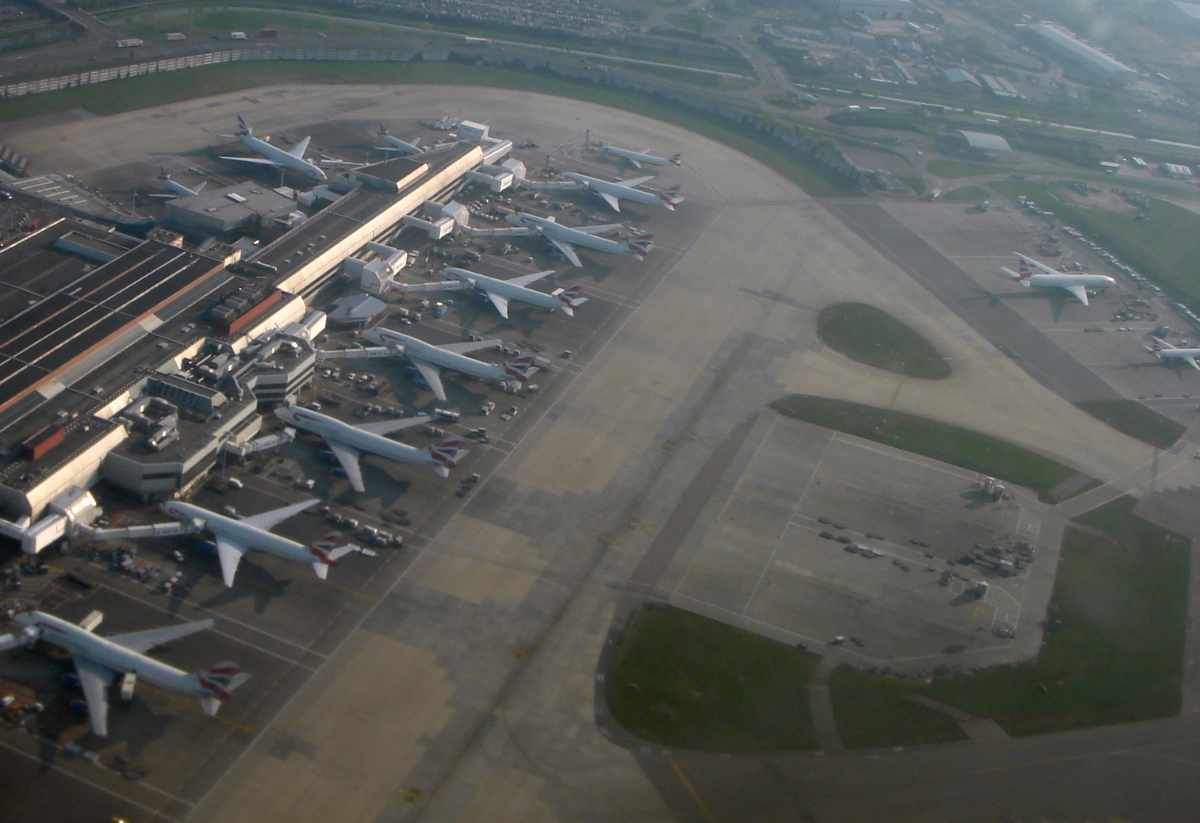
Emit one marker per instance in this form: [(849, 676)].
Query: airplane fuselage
[(401, 146), (366, 442), (78, 641), (1063, 281), (281, 158), (521, 294), (249, 537), (648, 198), (434, 355), (550, 228), (637, 156)]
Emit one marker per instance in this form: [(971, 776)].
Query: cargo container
[(176, 35), (130, 42)]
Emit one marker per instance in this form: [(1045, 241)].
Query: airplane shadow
[(252, 581)]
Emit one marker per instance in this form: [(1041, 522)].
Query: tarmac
[(468, 691)]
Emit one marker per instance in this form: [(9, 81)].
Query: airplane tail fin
[(217, 683), (446, 454), (162, 174), (675, 159), (639, 245), (325, 554), (383, 132), (243, 130), (520, 368), (570, 299), (670, 199), (1022, 278)]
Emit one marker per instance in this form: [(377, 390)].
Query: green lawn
[(873, 711), (1140, 422), (914, 182), (955, 445), (967, 194), (679, 679), (171, 87), (953, 169), (1165, 247), (1115, 654), (873, 337)]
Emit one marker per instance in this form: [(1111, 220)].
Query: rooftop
[(985, 142)]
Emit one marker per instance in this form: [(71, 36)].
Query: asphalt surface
[(1012, 334)]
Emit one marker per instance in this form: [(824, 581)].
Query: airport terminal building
[(138, 362)]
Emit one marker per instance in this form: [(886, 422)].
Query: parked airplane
[(639, 157), (273, 155), (396, 144), (1165, 352), (502, 291), (565, 238), (430, 359), (349, 443), (98, 659), (177, 189), (613, 193), (236, 537), (1045, 277)]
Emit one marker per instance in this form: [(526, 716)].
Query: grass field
[(1139, 422), (679, 679), (1113, 654), (873, 711), (172, 87), (953, 169), (955, 445), (873, 337), (1165, 247), (914, 182)]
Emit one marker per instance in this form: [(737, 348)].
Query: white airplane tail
[(447, 454), (243, 130), (383, 132), (217, 683), (675, 159), (570, 299), (520, 368), (1022, 276), (325, 553), (640, 245)]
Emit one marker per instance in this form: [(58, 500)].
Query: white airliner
[(98, 659), (1074, 284), (396, 144), (565, 238), (177, 189), (613, 193), (274, 156), (1165, 352), (236, 537), (349, 443), (502, 291), (430, 359), (640, 157)]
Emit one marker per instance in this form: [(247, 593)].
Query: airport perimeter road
[(1045, 361)]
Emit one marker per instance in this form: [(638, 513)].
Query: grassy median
[(679, 679), (873, 337), (1139, 422), (951, 444)]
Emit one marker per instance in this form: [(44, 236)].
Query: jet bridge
[(346, 354)]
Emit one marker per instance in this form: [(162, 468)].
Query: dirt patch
[(1096, 197)]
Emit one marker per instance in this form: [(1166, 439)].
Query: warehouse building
[(1091, 61), (245, 206)]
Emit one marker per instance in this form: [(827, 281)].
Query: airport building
[(139, 362), (873, 9), (1064, 44)]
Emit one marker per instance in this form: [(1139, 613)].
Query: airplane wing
[(94, 678), (1078, 292), (1042, 266), (389, 426), (499, 302), (568, 251), (301, 147), (258, 161), (613, 202), (266, 520), (605, 229), (526, 279), (636, 181), (469, 346), (636, 164), (1192, 362), (144, 641), (433, 377), (230, 555), (164, 195), (348, 457)]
